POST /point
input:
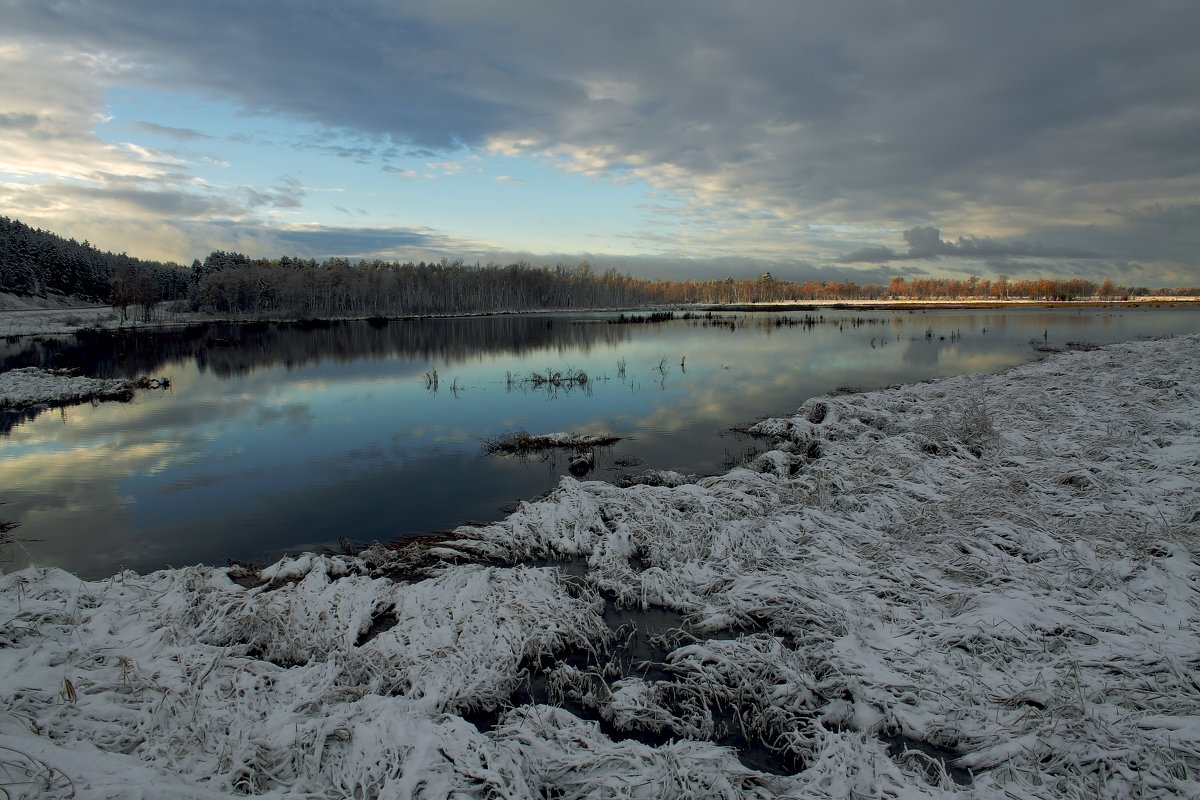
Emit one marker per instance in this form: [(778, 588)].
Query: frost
[(982, 586), (1003, 567), (522, 442), (31, 386)]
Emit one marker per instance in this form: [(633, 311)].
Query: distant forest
[(39, 263)]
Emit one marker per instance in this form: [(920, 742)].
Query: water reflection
[(236, 350), (296, 438)]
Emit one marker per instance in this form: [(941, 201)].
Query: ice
[(999, 572)]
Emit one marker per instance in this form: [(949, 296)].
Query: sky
[(691, 139)]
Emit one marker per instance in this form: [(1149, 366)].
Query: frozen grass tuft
[(522, 442)]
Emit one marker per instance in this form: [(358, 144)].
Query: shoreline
[(18, 318), (27, 390), (1000, 572), (934, 305), (30, 389)]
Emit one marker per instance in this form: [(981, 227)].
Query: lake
[(280, 438)]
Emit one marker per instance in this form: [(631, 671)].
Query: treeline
[(231, 283), (39, 263), (767, 289), (1051, 289), (36, 262)]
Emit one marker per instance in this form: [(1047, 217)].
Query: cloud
[(288, 194), (53, 102), (874, 255), (1020, 121), (324, 241), (408, 174), (178, 134), (1176, 217), (24, 122), (926, 242)]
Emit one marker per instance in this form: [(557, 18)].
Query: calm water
[(276, 439)]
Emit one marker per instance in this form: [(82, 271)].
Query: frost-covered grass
[(523, 442), (56, 316), (27, 316), (1003, 570), (1004, 566), (30, 386)]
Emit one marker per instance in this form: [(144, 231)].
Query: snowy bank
[(982, 586), (30, 386), (59, 316), (22, 317)]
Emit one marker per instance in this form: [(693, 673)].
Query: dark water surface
[(283, 438)]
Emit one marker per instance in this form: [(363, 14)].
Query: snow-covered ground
[(27, 316), (981, 586), (56, 316), (30, 386)]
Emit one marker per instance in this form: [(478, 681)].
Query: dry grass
[(523, 442), (552, 380)]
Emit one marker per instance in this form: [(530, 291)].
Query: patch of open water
[(277, 438)]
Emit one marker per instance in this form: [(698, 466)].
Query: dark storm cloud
[(833, 112)]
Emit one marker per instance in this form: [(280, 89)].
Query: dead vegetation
[(551, 381), (523, 442)]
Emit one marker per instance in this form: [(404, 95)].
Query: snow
[(1000, 571), (23, 317), (31, 386), (522, 442), (56, 316)]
